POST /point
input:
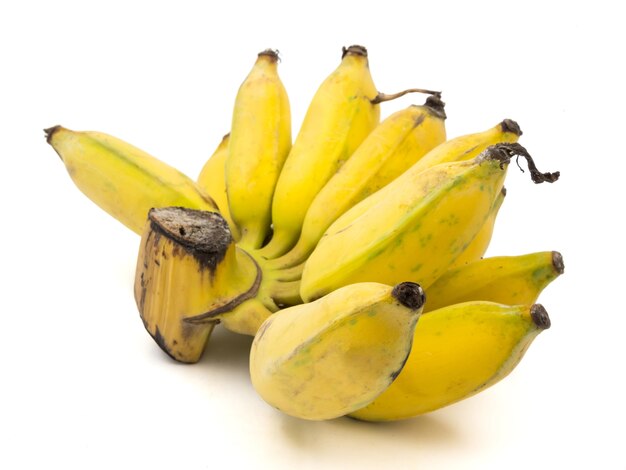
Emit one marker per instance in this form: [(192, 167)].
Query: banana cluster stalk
[(189, 271), (328, 358), (322, 250)]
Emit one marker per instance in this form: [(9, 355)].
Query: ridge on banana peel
[(121, 179), (457, 352), (327, 358), (418, 230)]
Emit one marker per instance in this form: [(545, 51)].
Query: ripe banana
[(212, 180), (457, 352), (504, 279), (124, 181), (391, 148), (328, 358), (259, 143), (339, 117), (478, 246), (415, 233), (461, 148), (188, 272)]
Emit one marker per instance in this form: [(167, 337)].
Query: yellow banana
[(212, 180), (328, 358), (188, 272), (461, 148), (392, 147), (457, 352), (339, 117), (124, 181), (259, 143), (478, 246), (504, 279), (418, 230)]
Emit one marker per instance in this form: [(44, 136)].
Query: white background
[(83, 384)]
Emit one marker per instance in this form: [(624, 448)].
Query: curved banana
[(461, 148), (418, 230), (124, 181), (457, 352), (392, 147), (212, 180), (339, 117), (188, 272), (259, 143), (415, 233), (328, 358), (504, 279), (478, 246)]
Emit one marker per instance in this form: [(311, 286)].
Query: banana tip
[(436, 105), (49, 132), (557, 262), (409, 294), (272, 54), (354, 50), (509, 125), (540, 316)]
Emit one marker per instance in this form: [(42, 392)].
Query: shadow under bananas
[(226, 349), (425, 432)]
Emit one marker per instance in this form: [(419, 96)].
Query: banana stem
[(382, 97), (504, 152), (292, 273)]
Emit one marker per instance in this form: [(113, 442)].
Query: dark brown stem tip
[(557, 262), (509, 125), (50, 132), (409, 294), (540, 316), (271, 53), (354, 50), (504, 152), (201, 231), (436, 105), (503, 191)]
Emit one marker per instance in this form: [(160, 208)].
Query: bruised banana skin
[(504, 279), (328, 358), (458, 351), (259, 144), (478, 246), (391, 148), (413, 234), (463, 148), (189, 271), (340, 116), (124, 181), (212, 180)]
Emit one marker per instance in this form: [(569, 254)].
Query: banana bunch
[(353, 253)]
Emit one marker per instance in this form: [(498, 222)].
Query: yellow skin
[(414, 234), (504, 279), (124, 181), (478, 246), (463, 148), (391, 148), (338, 119), (174, 290), (328, 358), (212, 180), (457, 352), (259, 143)]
